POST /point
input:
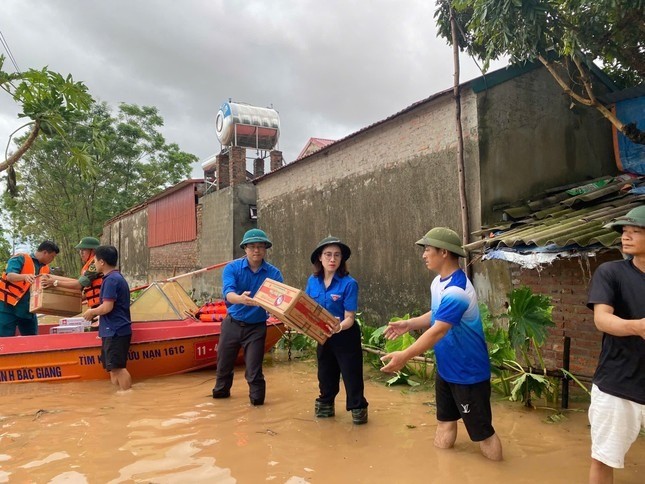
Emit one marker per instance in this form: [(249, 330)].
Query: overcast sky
[(328, 67)]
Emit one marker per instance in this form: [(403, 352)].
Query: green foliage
[(527, 384), (497, 340), (607, 30), (5, 253), (401, 378), (373, 338), (51, 102), (296, 342), (59, 200), (529, 316)]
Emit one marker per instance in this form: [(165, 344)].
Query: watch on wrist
[(55, 283)]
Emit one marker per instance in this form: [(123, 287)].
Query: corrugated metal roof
[(172, 217), (575, 216)]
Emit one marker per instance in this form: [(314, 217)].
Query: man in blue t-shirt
[(115, 324), (617, 411), (454, 329), (245, 324)]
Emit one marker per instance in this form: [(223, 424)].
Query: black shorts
[(114, 351), (468, 402)]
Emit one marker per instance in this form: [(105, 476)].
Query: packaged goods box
[(294, 308), (68, 328), (57, 301), (74, 322)]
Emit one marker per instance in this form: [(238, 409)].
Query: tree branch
[(629, 130), (565, 87), (25, 146)]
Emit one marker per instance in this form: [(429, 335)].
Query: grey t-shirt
[(621, 367)]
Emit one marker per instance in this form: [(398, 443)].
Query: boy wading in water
[(115, 325)]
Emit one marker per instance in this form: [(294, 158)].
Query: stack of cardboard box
[(71, 325)]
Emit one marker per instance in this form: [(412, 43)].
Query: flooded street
[(169, 430)]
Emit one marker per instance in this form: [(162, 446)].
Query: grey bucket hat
[(443, 238), (635, 217), (331, 240)]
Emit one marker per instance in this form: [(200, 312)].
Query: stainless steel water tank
[(247, 126)]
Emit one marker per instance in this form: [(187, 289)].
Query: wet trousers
[(342, 355), (251, 337)]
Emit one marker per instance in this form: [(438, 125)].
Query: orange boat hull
[(157, 349)]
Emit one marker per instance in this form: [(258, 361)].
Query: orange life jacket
[(12, 292), (93, 291)]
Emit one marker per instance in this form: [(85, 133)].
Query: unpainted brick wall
[(174, 259), (566, 281)]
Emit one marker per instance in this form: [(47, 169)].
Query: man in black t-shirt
[(617, 297)]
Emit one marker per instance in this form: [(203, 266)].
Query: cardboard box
[(74, 322), (57, 301), (295, 309), (68, 328)]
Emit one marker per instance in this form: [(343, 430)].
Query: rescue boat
[(167, 338)]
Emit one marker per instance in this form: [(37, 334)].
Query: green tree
[(5, 253), (564, 35), (50, 101), (58, 200)]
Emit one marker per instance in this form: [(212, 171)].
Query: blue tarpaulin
[(631, 156)]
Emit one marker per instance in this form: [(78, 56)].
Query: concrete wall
[(225, 218), (129, 235), (531, 140), (379, 191)]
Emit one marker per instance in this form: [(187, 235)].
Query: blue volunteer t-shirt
[(462, 355), (340, 296), (117, 322), (238, 277)]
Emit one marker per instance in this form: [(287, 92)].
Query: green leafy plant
[(293, 341), (373, 339), (529, 317), (500, 350)]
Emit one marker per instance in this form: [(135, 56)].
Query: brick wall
[(173, 259), (566, 281)]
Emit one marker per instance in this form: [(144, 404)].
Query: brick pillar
[(258, 167), (221, 167), (237, 166), (276, 159)]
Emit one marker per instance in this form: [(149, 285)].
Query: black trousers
[(342, 355), (251, 337)]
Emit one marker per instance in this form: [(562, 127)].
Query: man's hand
[(30, 278), (396, 328), (47, 280), (397, 360), (247, 300), (88, 315)]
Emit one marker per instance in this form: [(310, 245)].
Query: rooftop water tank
[(247, 126)]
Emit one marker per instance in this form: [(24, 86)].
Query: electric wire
[(5, 44)]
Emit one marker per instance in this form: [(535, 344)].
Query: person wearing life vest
[(90, 280), (15, 283)]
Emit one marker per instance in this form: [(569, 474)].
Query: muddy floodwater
[(169, 430)]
